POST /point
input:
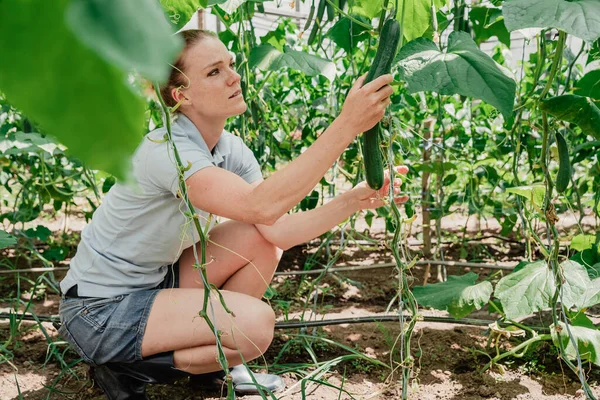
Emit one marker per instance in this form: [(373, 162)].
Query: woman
[(132, 295)]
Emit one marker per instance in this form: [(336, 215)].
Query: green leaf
[(367, 8), (531, 288), (230, 6), (592, 294), (108, 183), (267, 57), (575, 109), (580, 319), (533, 193), (347, 35), (417, 17), (590, 259), (588, 342), (526, 291), (594, 53), (487, 23), (460, 295), (583, 242), (6, 239), (579, 18), (29, 143), (180, 12), (578, 290), (589, 85), (40, 233), (131, 34), (463, 69), (69, 90)]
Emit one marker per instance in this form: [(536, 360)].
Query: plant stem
[(552, 232), (560, 45), (207, 288), (350, 17)]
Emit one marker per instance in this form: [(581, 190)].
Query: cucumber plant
[(382, 64)]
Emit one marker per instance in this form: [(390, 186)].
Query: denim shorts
[(111, 329)]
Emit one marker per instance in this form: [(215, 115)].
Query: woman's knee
[(257, 329)]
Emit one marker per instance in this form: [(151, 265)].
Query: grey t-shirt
[(140, 229)]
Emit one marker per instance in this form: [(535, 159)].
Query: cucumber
[(563, 178), (330, 11), (318, 21), (388, 44), (311, 13)]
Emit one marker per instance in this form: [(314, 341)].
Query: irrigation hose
[(310, 324), (316, 271)]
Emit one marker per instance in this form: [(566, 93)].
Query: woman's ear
[(179, 97)]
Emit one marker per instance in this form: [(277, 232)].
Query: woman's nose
[(234, 77)]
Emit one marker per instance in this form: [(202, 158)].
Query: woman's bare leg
[(225, 268), (174, 324)]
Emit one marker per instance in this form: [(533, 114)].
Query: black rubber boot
[(127, 381)]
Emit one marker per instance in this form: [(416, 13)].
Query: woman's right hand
[(365, 105)]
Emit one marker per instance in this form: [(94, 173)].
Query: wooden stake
[(425, 206)]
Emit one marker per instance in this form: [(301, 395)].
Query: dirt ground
[(448, 357)]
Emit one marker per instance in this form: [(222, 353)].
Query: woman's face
[(215, 90)]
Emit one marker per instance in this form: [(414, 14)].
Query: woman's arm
[(293, 229), (225, 194)]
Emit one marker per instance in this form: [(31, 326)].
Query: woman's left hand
[(369, 198)]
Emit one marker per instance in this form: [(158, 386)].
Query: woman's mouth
[(236, 94)]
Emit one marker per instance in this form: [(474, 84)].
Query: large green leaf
[(347, 35), (592, 294), (533, 193), (531, 288), (417, 17), (588, 341), (6, 239), (575, 109), (526, 291), (487, 23), (578, 289), (70, 91), (180, 12), (579, 18), (132, 34), (589, 85), (463, 69), (267, 57), (460, 295)]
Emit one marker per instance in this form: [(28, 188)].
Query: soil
[(448, 357)]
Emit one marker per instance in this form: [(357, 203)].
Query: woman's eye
[(213, 72)]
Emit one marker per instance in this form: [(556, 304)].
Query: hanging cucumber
[(309, 19), (330, 10), (388, 44), (563, 178), (318, 21)]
